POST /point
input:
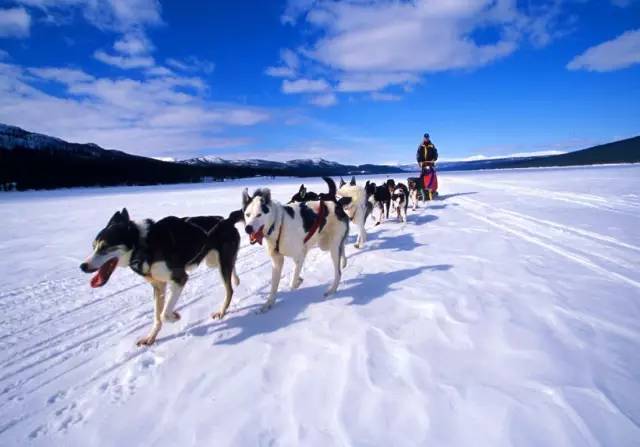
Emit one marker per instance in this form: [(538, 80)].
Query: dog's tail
[(331, 195)]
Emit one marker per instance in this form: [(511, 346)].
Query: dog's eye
[(259, 215), (248, 215)]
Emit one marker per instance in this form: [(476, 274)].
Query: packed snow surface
[(505, 313)]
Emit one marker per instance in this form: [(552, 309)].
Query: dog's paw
[(295, 283), (218, 315), (171, 317), (266, 306), (329, 292), (145, 341)]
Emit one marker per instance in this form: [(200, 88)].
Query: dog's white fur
[(158, 275), (291, 234), (356, 209), (398, 204), (413, 197)]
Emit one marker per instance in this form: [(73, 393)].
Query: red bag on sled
[(430, 180)]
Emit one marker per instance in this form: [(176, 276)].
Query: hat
[(426, 135)]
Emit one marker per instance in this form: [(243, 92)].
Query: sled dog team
[(164, 251)]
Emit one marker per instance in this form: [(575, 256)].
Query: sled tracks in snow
[(59, 344), (603, 254)]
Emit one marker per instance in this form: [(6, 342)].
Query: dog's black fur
[(404, 196), (177, 242), (381, 197), (352, 182), (303, 196)]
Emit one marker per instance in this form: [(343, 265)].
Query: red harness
[(317, 222)]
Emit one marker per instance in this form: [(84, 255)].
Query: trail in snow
[(506, 313)]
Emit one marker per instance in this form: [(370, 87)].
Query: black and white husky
[(162, 252), (414, 191), (353, 199), (292, 230), (380, 198), (400, 201)]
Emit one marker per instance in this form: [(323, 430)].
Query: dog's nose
[(249, 229), (84, 267)]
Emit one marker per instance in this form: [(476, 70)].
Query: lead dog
[(353, 199), (162, 252), (292, 230)]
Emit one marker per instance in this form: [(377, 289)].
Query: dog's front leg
[(175, 289), (159, 290), (296, 280), (277, 260)]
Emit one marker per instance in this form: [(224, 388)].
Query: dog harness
[(317, 222), (314, 228)]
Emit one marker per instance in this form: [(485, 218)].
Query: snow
[(506, 313)]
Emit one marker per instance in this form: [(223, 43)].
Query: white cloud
[(124, 61), (133, 44), (289, 65), (116, 15), (367, 82), (379, 96), (304, 86), (61, 75), (420, 36), (369, 45), (615, 54), (192, 64), (14, 22), (326, 100), (168, 115)]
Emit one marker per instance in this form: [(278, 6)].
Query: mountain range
[(34, 161)]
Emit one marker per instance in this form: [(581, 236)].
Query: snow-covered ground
[(506, 313)]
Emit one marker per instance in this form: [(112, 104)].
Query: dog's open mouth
[(104, 273), (257, 236)]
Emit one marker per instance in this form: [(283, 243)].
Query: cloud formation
[(615, 54), (376, 45), (157, 116), (14, 22)]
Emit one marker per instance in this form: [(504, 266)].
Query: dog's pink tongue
[(104, 273)]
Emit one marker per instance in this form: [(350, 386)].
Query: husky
[(380, 198), (353, 199), (414, 192), (292, 230), (400, 201), (162, 252), (303, 196)]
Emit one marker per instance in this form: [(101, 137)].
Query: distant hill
[(34, 161), (623, 151)]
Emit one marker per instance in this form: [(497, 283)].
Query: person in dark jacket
[(426, 157)]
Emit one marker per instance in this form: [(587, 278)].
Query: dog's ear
[(245, 199), (353, 181), (114, 219), (266, 196), (124, 214), (342, 182), (366, 185)]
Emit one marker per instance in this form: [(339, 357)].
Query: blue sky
[(352, 81)]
